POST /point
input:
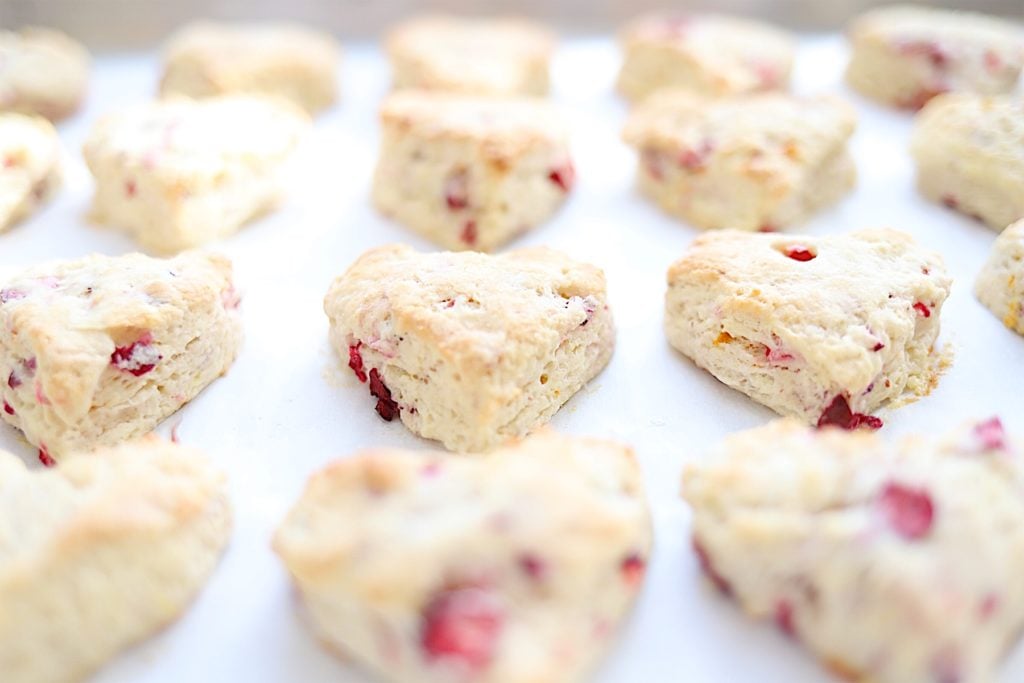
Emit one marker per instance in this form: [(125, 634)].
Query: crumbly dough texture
[(178, 173), (904, 55), (271, 58), (471, 349), (708, 54), (101, 553), (30, 167), (523, 562), (1000, 284), (501, 56), (471, 172), (857, 320), (756, 162), (891, 563), (969, 151), (101, 349), (42, 71)]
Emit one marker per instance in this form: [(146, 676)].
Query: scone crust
[(101, 553), (1000, 284), (561, 515), (30, 165), (45, 72)]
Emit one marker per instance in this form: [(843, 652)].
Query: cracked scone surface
[(101, 349), (471, 172), (467, 348), (904, 55), (102, 552), (708, 54), (30, 166), (42, 71), (969, 152), (515, 567), (826, 329), (178, 173), (269, 58), (480, 56), (757, 162), (1000, 284), (895, 563)]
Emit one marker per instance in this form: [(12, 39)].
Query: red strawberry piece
[(908, 511), (991, 434), (564, 176), (767, 227), (709, 569), (469, 233), (838, 414), (456, 190), (633, 567), (462, 626), (878, 346), (8, 408), (798, 252), (44, 457), (355, 361), (10, 294), (950, 202), (922, 309), (532, 566), (386, 407), (931, 51), (695, 159), (129, 188), (26, 369), (137, 358), (784, 618), (993, 62)]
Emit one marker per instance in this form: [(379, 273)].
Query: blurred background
[(130, 24)]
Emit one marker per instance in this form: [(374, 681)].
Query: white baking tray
[(288, 407)]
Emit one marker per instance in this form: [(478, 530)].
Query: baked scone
[(890, 563), (1000, 284), (826, 329), (969, 151), (903, 55), (101, 553), (101, 349), (757, 162), (271, 58), (471, 172), (179, 173), (516, 567), (29, 165), (708, 54), (467, 348), (478, 56), (42, 71)]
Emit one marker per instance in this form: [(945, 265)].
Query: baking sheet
[(288, 407)]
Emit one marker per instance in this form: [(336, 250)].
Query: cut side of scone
[(269, 58), (178, 173), (29, 165), (101, 349), (513, 567), (101, 553), (471, 172), (707, 54), (826, 329), (969, 151), (467, 348), (470, 55), (758, 162), (905, 55), (892, 563), (1000, 284)]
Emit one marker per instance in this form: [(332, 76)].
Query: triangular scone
[(101, 349), (467, 348), (514, 567), (102, 552), (826, 329), (29, 165), (892, 564), (1000, 284)]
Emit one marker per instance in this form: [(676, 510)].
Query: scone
[(477, 56), (826, 329), (29, 165), (516, 567), (179, 173), (758, 162), (290, 61), (466, 348), (101, 553), (1000, 284), (890, 563), (969, 151), (904, 55), (708, 54), (42, 71), (471, 172), (101, 349)]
